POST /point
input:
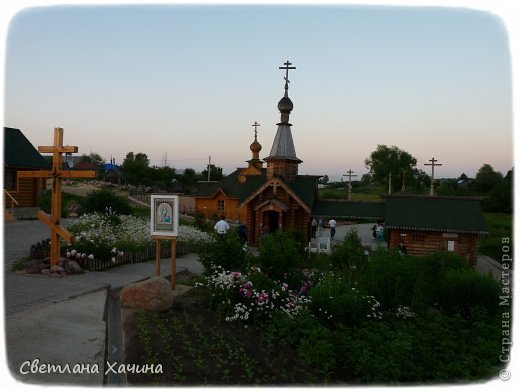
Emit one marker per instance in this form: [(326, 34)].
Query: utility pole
[(350, 174), (209, 168), (433, 165)]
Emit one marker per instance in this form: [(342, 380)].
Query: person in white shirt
[(332, 225), (222, 227)]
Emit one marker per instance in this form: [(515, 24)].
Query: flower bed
[(105, 240)]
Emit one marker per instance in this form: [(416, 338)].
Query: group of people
[(222, 227), (318, 224)]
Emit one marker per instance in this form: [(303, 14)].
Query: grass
[(500, 226)]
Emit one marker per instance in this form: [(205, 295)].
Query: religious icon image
[(164, 215)]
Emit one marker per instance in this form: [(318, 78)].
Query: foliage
[(105, 201), (335, 302), (251, 297), (395, 279), (66, 200), (463, 290), (431, 348), (99, 234), (281, 253), (135, 168), (224, 250), (349, 257), (215, 173), (94, 158), (391, 160), (500, 226)]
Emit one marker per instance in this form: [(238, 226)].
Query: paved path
[(62, 320)]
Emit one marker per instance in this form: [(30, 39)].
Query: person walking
[(222, 227), (314, 225), (332, 225)]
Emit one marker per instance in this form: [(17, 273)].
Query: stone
[(73, 267), (56, 269), (154, 294), (46, 271)]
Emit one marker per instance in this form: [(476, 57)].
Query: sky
[(184, 82)]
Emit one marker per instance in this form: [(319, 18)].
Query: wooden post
[(157, 257), (174, 245)]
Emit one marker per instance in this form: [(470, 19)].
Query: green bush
[(463, 290), (105, 201), (431, 348), (227, 251), (349, 257), (414, 281), (335, 302), (280, 254)]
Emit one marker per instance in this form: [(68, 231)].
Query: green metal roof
[(348, 209), (19, 152), (431, 213)]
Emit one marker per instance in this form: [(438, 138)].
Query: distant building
[(21, 155)]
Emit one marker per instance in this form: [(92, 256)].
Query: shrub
[(463, 290), (349, 257), (280, 254), (395, 279), (335, 302), (227, 251), (105, 201), (430, 348)]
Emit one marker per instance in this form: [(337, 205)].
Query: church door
[(272, 218)]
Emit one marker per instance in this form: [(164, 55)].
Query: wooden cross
[(350, 174), (433, 165), (255, 125), (287, 67), (57, 174)]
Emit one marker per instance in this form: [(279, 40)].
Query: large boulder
[(154, 294)]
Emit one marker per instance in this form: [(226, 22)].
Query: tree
[(136, 168), (385, 161), (486, 179), (94, 158), (215, 173)]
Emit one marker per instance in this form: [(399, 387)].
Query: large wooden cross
[(57, 174), (433, 165)]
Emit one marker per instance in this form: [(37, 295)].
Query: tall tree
[(94, 158), (136, 168), (215, 173), (386, 161), (486, 179)]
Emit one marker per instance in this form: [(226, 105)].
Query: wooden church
[(265, 198), (275, 196)]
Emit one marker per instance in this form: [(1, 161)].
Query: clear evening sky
[(185, 82)]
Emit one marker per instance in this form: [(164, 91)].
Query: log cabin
[(21, 195), (425, 224)]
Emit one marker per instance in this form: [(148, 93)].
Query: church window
[(220, 205)]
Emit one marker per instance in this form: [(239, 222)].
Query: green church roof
[(432, 213), (20, 153)]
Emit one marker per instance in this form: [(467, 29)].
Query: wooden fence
[(41, 251)]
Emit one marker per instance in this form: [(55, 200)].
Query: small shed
[(21, 155), (426, 224)]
